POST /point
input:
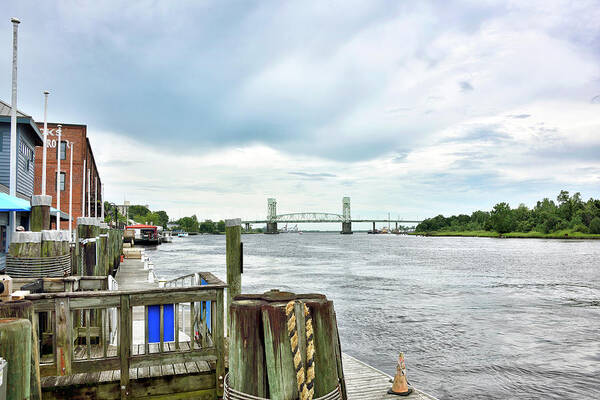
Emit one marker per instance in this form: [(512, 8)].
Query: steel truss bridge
[(317, 217), (314, 217)]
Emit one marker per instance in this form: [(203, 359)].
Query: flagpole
[(83, 191), (71, 193), (102, 201), (13, 127), (96, 197), (46, 93), (58, 176), (89, 210)]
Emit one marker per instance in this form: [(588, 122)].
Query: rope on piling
[(305, 382), (38, 267)]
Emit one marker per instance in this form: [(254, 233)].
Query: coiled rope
[(304, 380)]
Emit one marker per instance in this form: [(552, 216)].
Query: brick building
[(72, 136)]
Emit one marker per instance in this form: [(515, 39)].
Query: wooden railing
[(81, 326)]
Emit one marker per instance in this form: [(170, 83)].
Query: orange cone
[(400, 385)]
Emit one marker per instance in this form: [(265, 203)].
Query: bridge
[(316, 217)]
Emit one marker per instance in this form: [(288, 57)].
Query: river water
[(476, 317)]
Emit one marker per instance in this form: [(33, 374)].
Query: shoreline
[(512, 235)]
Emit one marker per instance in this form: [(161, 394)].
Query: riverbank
[(563, 234)]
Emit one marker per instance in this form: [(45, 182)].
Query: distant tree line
[(140, 214), (567, 213), (191, 224)]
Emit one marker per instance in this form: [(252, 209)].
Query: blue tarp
[(12, 203)]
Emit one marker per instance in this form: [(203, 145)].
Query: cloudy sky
[(413, 108)]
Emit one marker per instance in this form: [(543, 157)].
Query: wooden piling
[(233, 248), (25, 244), (247, 367), (24, 309), (260, 352), (40, 212), (15, 348)]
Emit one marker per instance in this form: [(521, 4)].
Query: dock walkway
[(363, 382)]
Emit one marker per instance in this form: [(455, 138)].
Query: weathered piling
[(247, 368), (15, 348), (87, 230), (40, 212), (233, 248), (24, 309), (25, 244), (52, 244), (261, 361)]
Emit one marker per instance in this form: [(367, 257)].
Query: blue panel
[(208, 308), (154, 323)]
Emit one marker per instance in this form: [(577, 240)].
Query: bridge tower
[(347, 223), (271, 216)]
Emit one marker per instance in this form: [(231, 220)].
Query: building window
[(63, 150), (27, 153), (62, 180)]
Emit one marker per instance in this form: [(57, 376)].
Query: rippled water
[(476, 317)]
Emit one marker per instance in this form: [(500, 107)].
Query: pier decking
[(364, 382), (180, 369)]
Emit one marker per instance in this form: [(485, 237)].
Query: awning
[(12, 203)]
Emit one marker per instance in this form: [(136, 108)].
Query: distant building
[(72, 135), (28, 136)]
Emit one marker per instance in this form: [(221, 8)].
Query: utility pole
[(13, 127)]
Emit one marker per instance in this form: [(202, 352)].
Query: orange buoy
[(400, 385)]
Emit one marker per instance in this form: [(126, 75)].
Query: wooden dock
[(88, 355), (364, 382)]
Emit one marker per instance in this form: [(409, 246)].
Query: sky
[(413, 108)]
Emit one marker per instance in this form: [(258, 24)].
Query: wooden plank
[(125, 344), (176, 312), (173, 357), (146, 331), (161, 328), (88, 339), (63, 346), (219, 336)]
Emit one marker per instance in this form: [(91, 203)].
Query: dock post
[(373, 226), (40, 212), (233, 228)]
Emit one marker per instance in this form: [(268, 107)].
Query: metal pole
[(102, 201), (58, 176), (46, 93), (89, 189), (83, 192), (13, 126), (96, 197), (71, 193)]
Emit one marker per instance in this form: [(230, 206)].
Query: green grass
[(563, 234)]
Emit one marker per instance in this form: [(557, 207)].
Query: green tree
[(189, 224), (501, 218), (221, 226), (137, 210), (163, 218), (595, 225), (208, 226)]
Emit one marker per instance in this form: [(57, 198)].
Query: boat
[(144, 234), (182, 234)]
